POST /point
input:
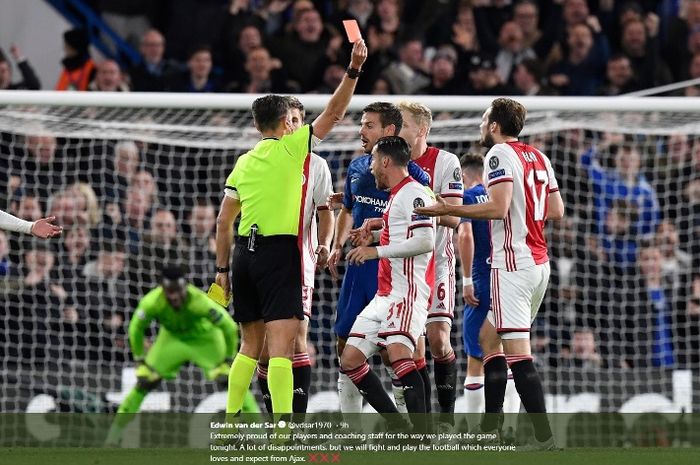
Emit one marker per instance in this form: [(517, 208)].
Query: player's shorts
[(386, 320), (307, 299), (442, 306), (515, 299), (170, 351), (358, 289), (474, 317), (266, 284)]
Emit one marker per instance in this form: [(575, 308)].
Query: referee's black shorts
[(266, 284)]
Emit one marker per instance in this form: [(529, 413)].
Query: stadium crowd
[(445, 47), (631, 235)]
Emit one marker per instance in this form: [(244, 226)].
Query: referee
[(267, 187)]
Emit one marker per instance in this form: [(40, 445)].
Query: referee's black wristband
[(353, 73), (225, 269)]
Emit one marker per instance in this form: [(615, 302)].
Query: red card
[(352, 30)]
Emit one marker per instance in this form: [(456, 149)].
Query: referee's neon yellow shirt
[(268, 181)]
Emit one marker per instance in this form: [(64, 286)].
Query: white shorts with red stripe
[(388, 320), (442, 307), (515, 299), (307, 298)]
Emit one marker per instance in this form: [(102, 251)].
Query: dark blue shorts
[(358, 289), (474, 316)]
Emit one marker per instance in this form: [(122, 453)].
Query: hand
[(439, 208), (334, 46), (222, 280), (463, 37), (361, 237), (333, 259), (361, 254), (359, 54), (322, 254), (469, 297), (45, 229), (652, 24), (16, 53), (278, 6), (559, 80), (335, 201), (594, 24)]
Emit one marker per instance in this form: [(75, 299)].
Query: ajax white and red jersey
[(518, 240), (445, 174), (317, 186), (411, 278)]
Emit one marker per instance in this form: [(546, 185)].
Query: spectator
[(76, 245), (644, 56), (650, 263), (583, 353), (137, 209), (331, 79), (526, 14), (121, 169), (443, 79), (620, 77), (86, 202), (154, 73), (304, 51), (483, 78), (26, 206), (683, 31), (618, 245), (65, 207), (29, 79), (263, 75), (582, 71), (528, 76), (693, 73), (38, 169), (128, 18), (161, 244), (381, 86), (576, 13), (359, 10), (200, 77), (512, 50), (78, 67), (201, 223), (109, 78), (387, 17), (625, 181), (144, 182), (463, 34), (234, 59), (409, 73), (675, 262)]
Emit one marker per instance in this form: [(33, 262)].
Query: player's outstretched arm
[(326, 224), (465, 246), (342, 232), (43, 228), (335, 110), (229, 210), (496, 208)]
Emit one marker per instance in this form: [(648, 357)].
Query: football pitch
[(175, 456)]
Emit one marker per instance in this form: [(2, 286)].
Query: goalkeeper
[(192, 328)]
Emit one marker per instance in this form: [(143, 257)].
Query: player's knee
[(351, 360), (148, 383)]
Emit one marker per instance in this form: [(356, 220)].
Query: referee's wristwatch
[(353, 73)]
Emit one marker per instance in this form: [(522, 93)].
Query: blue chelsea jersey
[(361, 195), (480, 228)]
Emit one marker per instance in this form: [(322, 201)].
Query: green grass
[(636, 456)]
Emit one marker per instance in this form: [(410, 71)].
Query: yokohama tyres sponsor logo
[(370, 201)]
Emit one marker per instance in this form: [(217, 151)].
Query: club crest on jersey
[(457, 174), (493, 162), (418, 202)]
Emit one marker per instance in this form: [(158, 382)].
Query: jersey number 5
[(537, 181)]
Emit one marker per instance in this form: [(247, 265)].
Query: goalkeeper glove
[(221, 371), (218, 295)]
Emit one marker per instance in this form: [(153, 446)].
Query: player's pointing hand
[(45, 229), (439, 208)]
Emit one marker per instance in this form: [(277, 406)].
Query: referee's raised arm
[(335, 110)]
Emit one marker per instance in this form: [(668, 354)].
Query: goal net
[(136, 181)]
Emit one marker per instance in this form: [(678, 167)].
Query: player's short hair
[(420, 113), (394, 147), (388, 114), (534, 67), (509, 115), (295, 103), (472, 161), (268, 110), (172, 272)]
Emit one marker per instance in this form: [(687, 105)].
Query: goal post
[(618, 329)]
